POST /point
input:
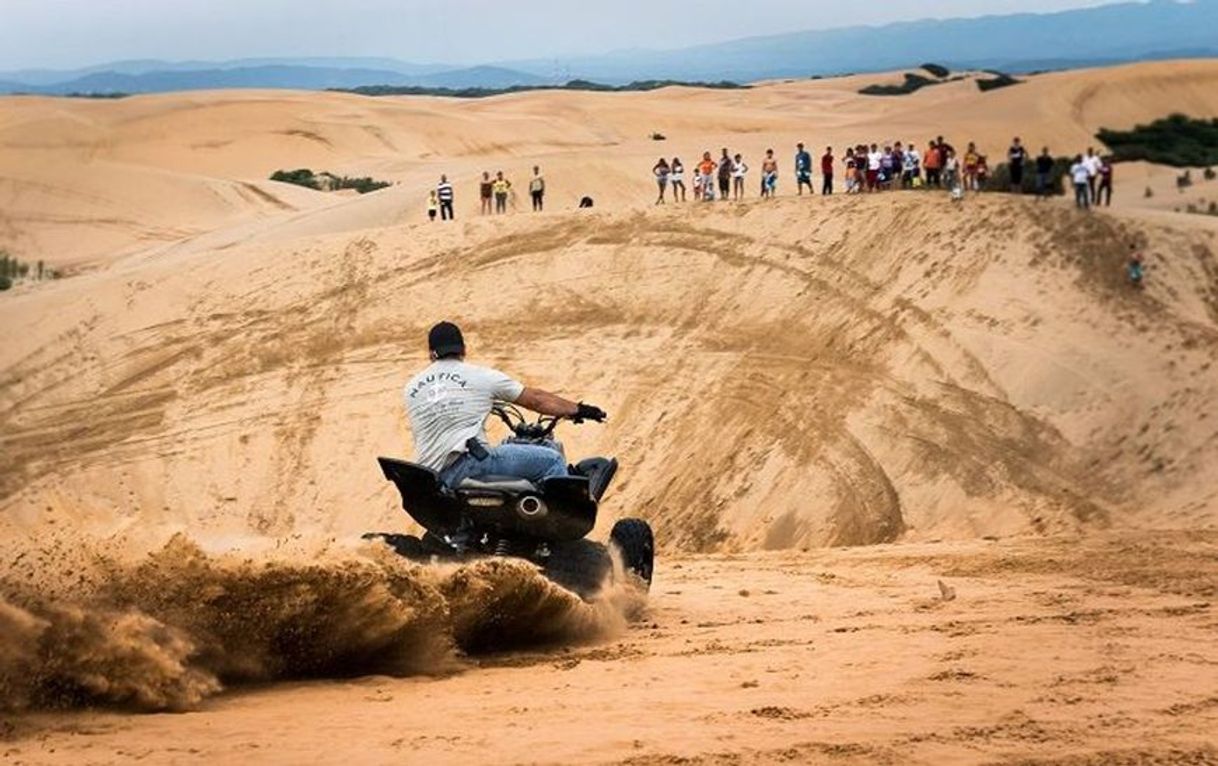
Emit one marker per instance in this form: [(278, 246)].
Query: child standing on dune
[(433, 205), (1134, 268)]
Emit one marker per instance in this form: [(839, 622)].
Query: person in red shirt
[(826, 170)]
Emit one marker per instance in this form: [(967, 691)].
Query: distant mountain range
[(1016, 43)]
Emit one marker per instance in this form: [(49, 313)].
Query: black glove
[(589, 412)]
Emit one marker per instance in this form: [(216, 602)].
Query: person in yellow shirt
[(501, 186)]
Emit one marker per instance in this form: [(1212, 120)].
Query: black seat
[(501, 483)]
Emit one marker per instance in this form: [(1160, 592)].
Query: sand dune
[(801, 373), (973, 384), (85, 182)]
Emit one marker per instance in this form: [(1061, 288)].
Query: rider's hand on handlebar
[(589, 412)]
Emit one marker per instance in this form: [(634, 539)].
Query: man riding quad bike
[(519, 498)]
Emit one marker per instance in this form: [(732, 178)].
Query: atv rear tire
[(635, 544), (581, 566)]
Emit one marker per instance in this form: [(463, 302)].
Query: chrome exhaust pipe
[(531, 507)]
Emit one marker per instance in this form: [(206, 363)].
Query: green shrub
[(1000, 177), (580, 85), (12, 269), (301, 177), (361, 185), (912, 83), (1177, 140), (310, 180), (1149, 193), (999, 80), (1209, 174), (658, 137), (938, 70)]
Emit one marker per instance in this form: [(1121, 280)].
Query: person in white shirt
[(875, 158), (448, 403), (1092, 162), (739, 171), (1080, 174), (912, 161)]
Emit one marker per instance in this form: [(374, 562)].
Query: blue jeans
[(526, 461), (1082, 195)]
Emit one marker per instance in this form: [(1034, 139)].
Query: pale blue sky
[(71, 33)]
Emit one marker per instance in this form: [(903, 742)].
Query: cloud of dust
[(167, 632)]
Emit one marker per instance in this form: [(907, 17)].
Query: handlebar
[(515, 420)]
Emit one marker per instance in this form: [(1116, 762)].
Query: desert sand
[(931, 483)]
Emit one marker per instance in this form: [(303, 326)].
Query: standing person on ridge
[(1016, 156), (485, 192), (911, 175), (1044, 173), (1092, 162), (676, 177), (661, 171), (1104, 190), (706, 172), (875, 159), (433, 205), (537, 189), (725, 176), (444, 192), (501, 188), (769, 174), (1081, 176), (972, 160), (739, 171), (933, 162), (826, 171), (803, 169)]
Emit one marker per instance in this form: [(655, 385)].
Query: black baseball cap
[(445, 339)]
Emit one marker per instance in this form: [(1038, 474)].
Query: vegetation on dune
[(912, 83), (104, 94), (938, 70), (13, 269), (1177, 140), (578, 85), (999, 80), (1000, 177), (324, 181)]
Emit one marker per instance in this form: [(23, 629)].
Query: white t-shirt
[(1092, 164), (739, 169), (447, 404), (1079, 172), (874, 160)]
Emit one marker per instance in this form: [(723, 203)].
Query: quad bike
[(545, 523)]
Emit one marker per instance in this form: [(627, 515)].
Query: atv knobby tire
[(635, 545), (581, 566)]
